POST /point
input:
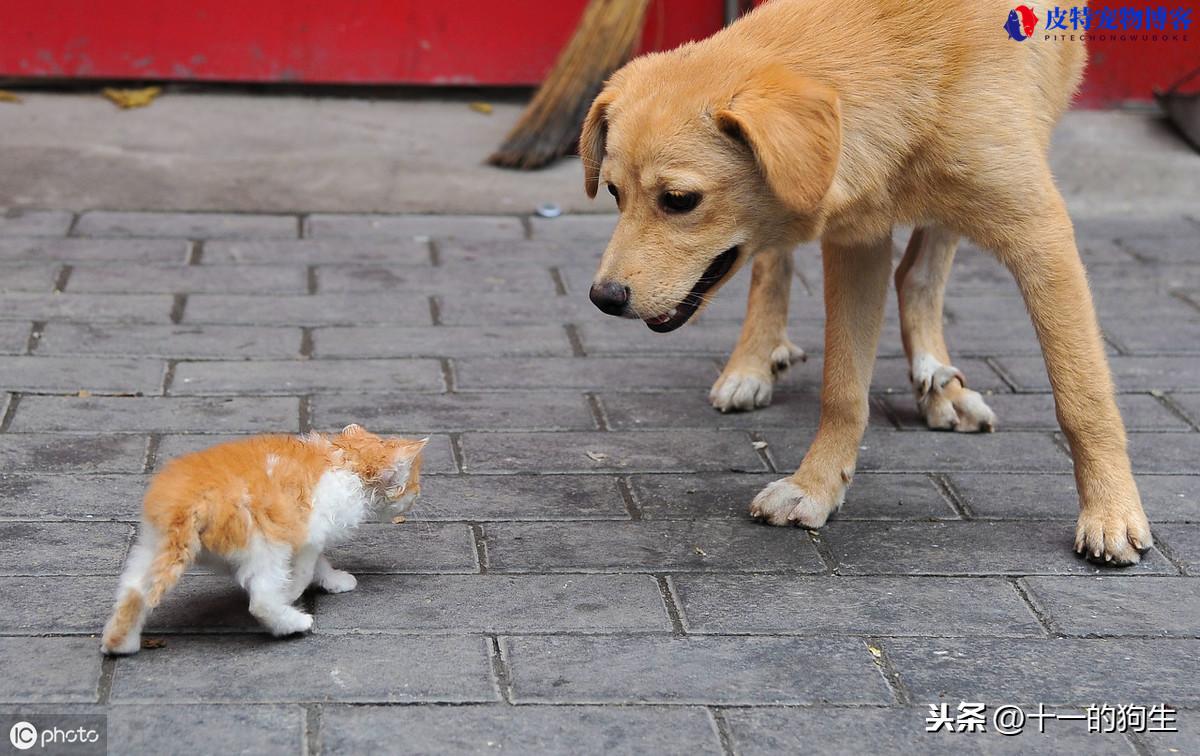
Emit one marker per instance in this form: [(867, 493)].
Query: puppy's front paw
[(945, 401), (338, 581), (1115, 538), (747, 384), (783, 502)]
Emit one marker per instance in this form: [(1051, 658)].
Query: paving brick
[(29, 276), (520, 497), (368, 227), (63, 548), (13, 337), (1186, 740), (321, 668), (1166, 498), (170, 341), (79, 454), (97, 374), (891, 375), (575, 228), (891, 451), (442, 341), (1149, 336), (312, 310), (1190, 404), (197, 729), (186, 225), (547, 251), (72, 496), (1141, 412), (35, 222), (306, 376), (157, 414), (84, 251), (74, 674), (313, 252), (1164, 453), (967, 548), (413, 547), (589, 373), (564, 669), (647, 451), (691, 409), (526, 729), (496, 604), (791, 605), (91, 308), (496, 309), (829, 731), (700, 546), (706, 337), (1130, 373), (1181, 249), (509, 278), (872, 497), (183, 279), (522, 410), (1052, 671), (1184, 544), (1117, 606), (438, 456)]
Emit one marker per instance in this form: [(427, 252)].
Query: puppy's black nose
[(611, 297)]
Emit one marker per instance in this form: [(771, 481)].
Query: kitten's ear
[(353, 429), (404, 460)]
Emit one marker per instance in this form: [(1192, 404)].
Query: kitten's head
[(391, 466)]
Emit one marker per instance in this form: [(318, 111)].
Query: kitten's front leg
[(265, 577), (332, 580), (304, 565)]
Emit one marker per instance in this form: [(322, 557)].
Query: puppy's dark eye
[(679, 202), (613, 191)]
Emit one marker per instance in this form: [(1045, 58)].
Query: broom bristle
[(549, 127)]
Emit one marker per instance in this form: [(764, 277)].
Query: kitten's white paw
[(130, 644), (290, 622), (338, 581)]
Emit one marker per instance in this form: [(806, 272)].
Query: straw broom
[(549, 128)]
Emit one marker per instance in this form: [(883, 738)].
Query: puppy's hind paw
[(783, 502), (945, 401)]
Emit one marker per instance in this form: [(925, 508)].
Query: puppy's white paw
[(338, 581), (945, 401), (785, 503), (1114, 538), (747, 384)]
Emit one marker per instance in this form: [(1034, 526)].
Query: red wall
[(468, 42)]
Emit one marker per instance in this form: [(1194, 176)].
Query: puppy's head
[(707, 168)]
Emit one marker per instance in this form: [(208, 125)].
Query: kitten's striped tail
[(155, 564)]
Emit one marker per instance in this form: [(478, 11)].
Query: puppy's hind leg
[(942, 396), (763, 349)]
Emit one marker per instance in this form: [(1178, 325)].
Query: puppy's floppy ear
[(793, 126), (592, 139)]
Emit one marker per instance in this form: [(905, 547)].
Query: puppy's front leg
[(856, 280), (763, 350)]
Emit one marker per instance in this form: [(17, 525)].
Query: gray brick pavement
[(581, 573)]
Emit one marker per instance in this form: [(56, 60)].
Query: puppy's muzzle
[(611, 297)]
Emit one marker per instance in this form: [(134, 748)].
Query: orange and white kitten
[(266, 507)]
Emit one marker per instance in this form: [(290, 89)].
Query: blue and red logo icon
[(1021, 23)]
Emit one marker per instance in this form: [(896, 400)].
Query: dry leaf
[(876, 651), (84, 393), (760, 445), (399, 520), (154, 642), (597, 456), (481, 107), (9, 96), (700, 551), (132, 98)]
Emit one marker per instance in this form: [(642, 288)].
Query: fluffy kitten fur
[(266, 507)]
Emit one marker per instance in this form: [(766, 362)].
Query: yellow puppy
[(838, 119)]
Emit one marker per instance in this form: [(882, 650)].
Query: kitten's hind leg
[(333, 580), (154, 566), (265, 574)]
